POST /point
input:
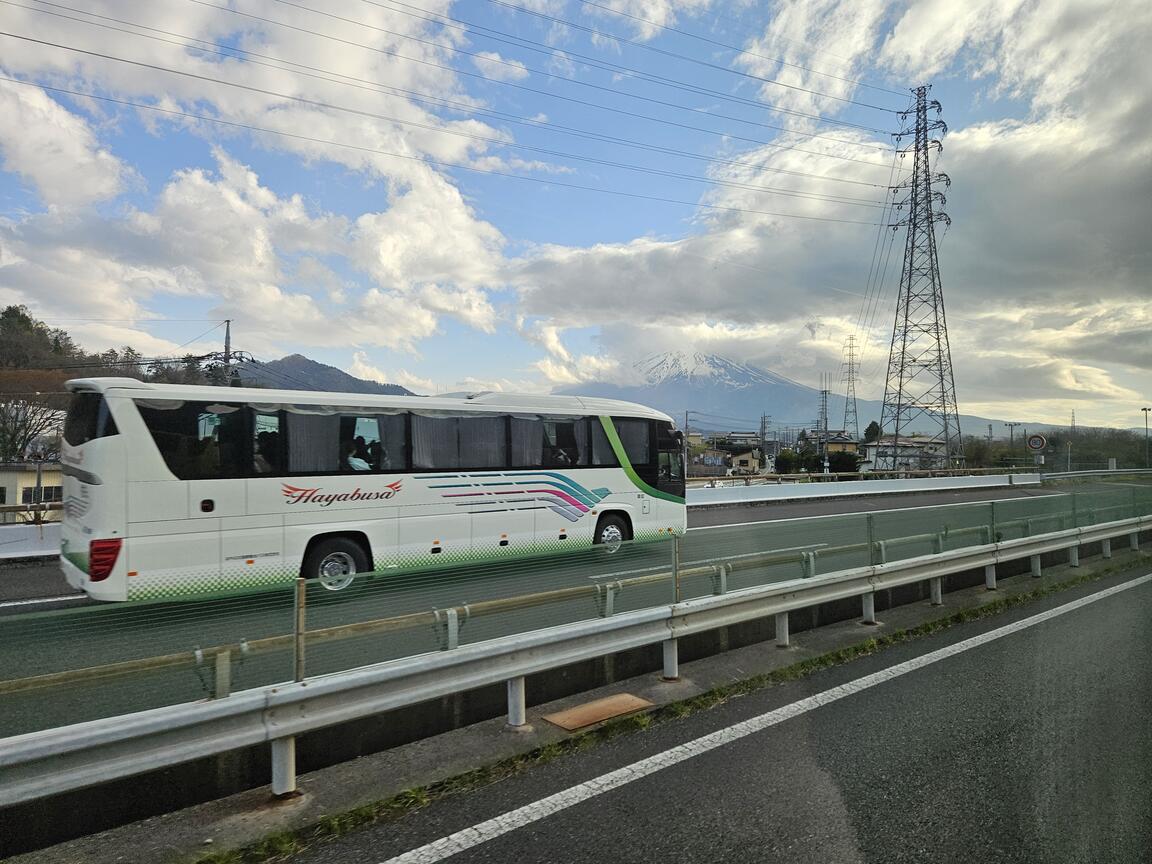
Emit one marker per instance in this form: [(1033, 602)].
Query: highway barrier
[(319, 668)]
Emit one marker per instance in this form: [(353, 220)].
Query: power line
[(201, 336), (245, 55), (671, 29), (440, 163), (614, 67), (645, 46), (610, 67), (547, 93), (316, 103)]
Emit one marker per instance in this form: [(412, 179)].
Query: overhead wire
[(659, 172), (245, 55), (669, 28), (548, 93), (440, 163), (615, 68), (636, 43)]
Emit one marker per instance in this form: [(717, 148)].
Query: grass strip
[(280, 846)]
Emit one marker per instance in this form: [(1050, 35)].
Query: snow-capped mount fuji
[(708, 369), (725, 394)]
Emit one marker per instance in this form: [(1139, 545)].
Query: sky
[(529, 194)]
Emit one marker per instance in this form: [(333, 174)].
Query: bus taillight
[(102, 555)]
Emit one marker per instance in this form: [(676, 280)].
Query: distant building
[(746, 461), (838, 442), (913, 452), (18, 486)]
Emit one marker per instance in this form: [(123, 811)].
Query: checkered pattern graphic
[(181, 583)]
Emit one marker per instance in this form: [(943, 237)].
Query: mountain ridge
[(297, 372), (725, 395)]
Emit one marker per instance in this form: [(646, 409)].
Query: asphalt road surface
[(37, 581), (1033, 745)]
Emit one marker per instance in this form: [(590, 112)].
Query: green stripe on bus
[(618, 449)]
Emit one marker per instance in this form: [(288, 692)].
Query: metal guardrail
[(449, 620), (1103, 472), (41, 764)]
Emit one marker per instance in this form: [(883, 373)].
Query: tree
[(843, 462), (32, 406), (872, 432), (787, 461)]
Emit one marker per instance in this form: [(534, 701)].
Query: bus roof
[(485, 401)]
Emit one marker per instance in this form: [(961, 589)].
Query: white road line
[(40, 600), (460, 841)]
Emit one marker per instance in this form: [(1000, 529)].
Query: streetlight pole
[(1011, 441), (1146, 410)]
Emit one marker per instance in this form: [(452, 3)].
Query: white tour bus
[(177, 491)]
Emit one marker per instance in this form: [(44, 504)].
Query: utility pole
[(920, 389), (989, 435), (1146, 410), (1011, 441)]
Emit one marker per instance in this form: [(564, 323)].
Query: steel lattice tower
[(851, 368), (920, 393)]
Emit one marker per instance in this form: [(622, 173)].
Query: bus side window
[(391, 450), (565, 443), (267, 444), (602, 454)]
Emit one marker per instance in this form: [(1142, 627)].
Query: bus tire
[(334, 562), (612, 530)]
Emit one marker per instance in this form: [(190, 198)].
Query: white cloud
[(646, 17), (499, 68), (55, 150)]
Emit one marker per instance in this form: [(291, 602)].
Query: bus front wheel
[(611, 531), (335, 562)]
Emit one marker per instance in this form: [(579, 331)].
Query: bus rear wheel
[(334, 563), (611, 531)]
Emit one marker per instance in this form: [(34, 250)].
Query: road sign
[(1037, 442)]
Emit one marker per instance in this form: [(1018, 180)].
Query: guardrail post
[(882, 549), (782, 636), (807, 564), (938, 544), (676, 567), (284, 767), (871, 520), (449, 631), (517, 708), (1073, 556), (299, 629), (936, 588), (1034, 563), (993, 537), (719, 579), (990, 577), (869, 608), (1106, 547), (606, 598), (1027, 527), (223, 674), (671, 660), (1134, 541)]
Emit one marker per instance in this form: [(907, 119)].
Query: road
[(39, 643), (38, 581), (1034, 746)]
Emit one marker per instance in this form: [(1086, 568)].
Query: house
[(838, 442), (745, 461), (18, 486)]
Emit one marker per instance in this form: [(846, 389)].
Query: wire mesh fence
[(73, 665)]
